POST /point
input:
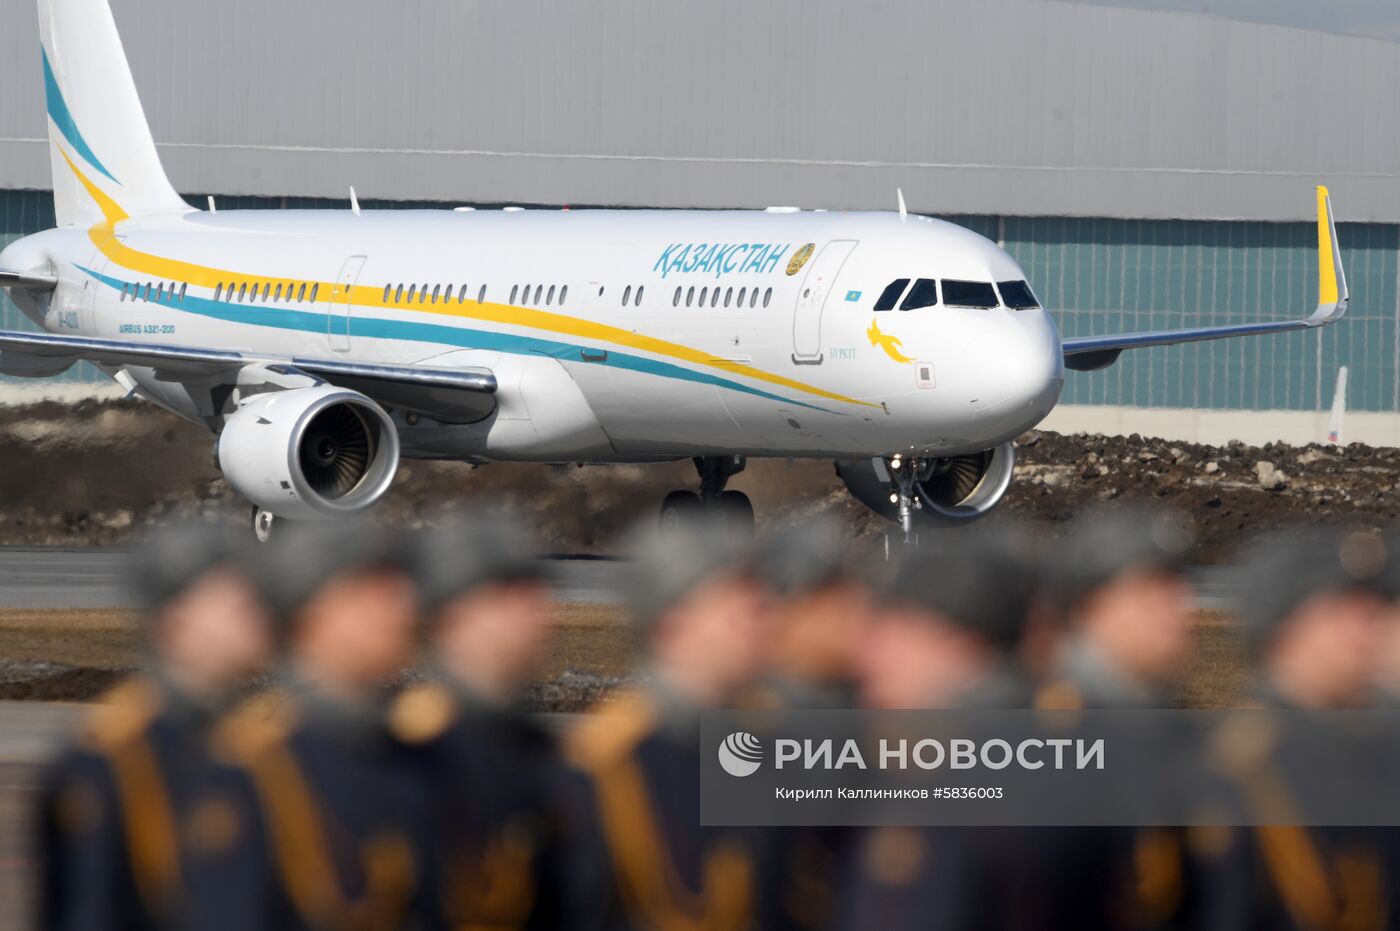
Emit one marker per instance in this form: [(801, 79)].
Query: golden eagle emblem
[(890, 344), (799, 258)]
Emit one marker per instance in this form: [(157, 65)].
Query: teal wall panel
[(1101, 276)]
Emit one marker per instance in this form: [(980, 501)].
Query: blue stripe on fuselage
[(412, 331)]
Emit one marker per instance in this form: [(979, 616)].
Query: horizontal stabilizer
[(27, 280)]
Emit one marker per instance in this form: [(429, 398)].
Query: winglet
[(1332, 295)]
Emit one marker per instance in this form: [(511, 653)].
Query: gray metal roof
[(1013, 107)]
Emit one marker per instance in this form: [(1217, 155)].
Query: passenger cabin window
[(969, 294), (563, 295), (218, 290), (1017, 295), (728, 294), (638, 301), (462, 295), (767, 296), (481, 295), (626, 295), (242, 291), (923, 294), (315, 288), (890, 296), (514, 289), (676, 301), (183, 286), (753, 298), (690, 296), (301, 292)]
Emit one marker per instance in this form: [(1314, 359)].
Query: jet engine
[(947, 491), (309, 453)]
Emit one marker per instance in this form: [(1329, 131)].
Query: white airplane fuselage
[(808, 368)]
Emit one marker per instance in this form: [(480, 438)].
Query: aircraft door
[(811, 300), (338, 303)]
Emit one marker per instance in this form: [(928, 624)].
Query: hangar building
[(1149, 169)]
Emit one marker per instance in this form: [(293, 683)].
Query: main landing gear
[(679, 508)]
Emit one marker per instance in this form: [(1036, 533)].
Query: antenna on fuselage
[(354, 202), (903, 213)]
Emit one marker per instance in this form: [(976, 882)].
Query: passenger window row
[(713, 297), (157, 291), (281, 293), (539, 296), (429, 294), (979, 294)]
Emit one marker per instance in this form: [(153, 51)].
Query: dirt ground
[(98, 473)]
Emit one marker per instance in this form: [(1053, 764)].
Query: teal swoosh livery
[(58, 112), (408, 330)]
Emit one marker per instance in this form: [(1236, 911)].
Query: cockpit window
[(923, 294), (969, 294), (1017, 295), (891, 294)]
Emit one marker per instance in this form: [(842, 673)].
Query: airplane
[(321, 347)]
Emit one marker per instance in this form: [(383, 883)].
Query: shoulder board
[(261, 721), (123, 713), (1059, 695), (610, 732), (422, 713)]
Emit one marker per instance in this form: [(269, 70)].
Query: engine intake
[(309, 453), (950, 491)]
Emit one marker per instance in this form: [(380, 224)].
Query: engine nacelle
[(950, 491), (309, 453)]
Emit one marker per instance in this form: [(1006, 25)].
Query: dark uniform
[(337, 813), (641, 859), (126, 810), (121, 809)]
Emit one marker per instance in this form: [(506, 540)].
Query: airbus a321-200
[(321, 347)]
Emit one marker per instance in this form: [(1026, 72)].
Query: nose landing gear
[(679, 508), (904, 475)]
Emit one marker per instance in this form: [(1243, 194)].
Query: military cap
[(305, 556), (805, 556), (1107, 544), (667, 565), (174, 558), (1281, 572), (979, 579), (475, 549)]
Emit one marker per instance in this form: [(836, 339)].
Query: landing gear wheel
[(679, 510), (263, 521), (735, 509)]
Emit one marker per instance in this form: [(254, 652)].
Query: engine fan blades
[(335, 451), (954, 480)]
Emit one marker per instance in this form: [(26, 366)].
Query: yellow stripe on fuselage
[(104, 237)]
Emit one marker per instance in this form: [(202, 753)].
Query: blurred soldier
[(820, 615), (1126, 606), (945, 634), (494, 773), (337, 804), (819, 620), (700, 613), (123, 809), (1311, 609)]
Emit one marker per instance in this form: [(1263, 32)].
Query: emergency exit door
[(338, 303), (812, 300)]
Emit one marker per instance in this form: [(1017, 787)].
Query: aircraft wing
[(452, 395), (1085, 354)]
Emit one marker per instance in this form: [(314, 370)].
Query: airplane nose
[(1015, 373)]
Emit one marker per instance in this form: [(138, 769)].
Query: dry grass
[(590, 638)]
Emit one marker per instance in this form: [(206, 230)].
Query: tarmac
[(57, 577)]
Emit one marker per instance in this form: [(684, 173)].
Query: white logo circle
[(740, 754)]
